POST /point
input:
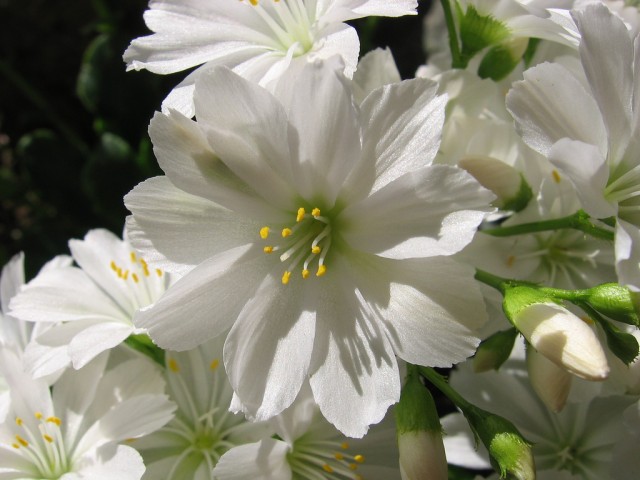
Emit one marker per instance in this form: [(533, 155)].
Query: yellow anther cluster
[(173, 365), (139, 263)]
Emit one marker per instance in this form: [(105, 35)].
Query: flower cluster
[(324, 234)]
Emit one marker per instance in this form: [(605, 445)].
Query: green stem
[(40, 102), (499, 283), (456, 58), (442, 384), (578, 221)]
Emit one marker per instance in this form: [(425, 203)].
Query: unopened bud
[(556, 333), (616, 302), (502, 59), (494, 350), (512, 190), (420, 443), (551, 383)]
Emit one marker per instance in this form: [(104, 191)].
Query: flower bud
[(556, 333), (420, 443), (616, 302), (512, 190), (494, 350), (551, 383), (510, 453)]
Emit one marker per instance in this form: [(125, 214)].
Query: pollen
[(338, 456), (135, 277), (322, 269), (173, 365), (285, 277), (268, 249), (510, 260), (286, 232), (214, 364), (19, 421), (305, 273), (315, 212), (556, 176), (159, 272), (38, 415), (316, 249), (264, 233), (113, 265), (55, 420), (48, 438), (327, 468), (353, 466), (300, 215), (134, 259), (344, 445), (22, 441), (359, 458)]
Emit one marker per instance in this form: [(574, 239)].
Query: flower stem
[(456, 58), (577, 221), (442, 384)]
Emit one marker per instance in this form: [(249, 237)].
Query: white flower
[(309, 448), (590, 127), (74, 432), (259, 39), (203, 429), (91, 308), (577, 443), (317, 231)]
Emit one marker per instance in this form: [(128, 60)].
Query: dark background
[(73, 123)]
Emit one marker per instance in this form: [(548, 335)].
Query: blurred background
[(73, 123)]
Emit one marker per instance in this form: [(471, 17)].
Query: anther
[(38, 415), (22, 441), (322, 269), (48, 438), (55, 420), (338, 456), (327, 468), (214, 364), (135, 277), (315, 212), (305, 273), (556, 176), (344, 445), (285, 277), (19, 421), (300, 215), (286, 232), (264, 233), (316, 249), (173, 365), (133, 257), (268, 249), (359, 458)]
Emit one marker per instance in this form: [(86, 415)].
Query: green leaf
[(623, 345)]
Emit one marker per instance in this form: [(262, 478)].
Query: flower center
[(41, 443), (305, 243), (288, 22), (313, 459), (146, 285)]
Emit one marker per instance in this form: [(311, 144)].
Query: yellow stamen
[(315, 212), (316, 249), (133, 257), (22, 441), (305, 273), (322, 269), (214, 364), (126, 275), (135, 277), (327, 468), (301, 214), (556, 176), (15, 445), (38, 415), (286, 232), (285, 277), (159, 272), (253, 2), (48, 438), (145, 270), (55, 420), (344, 445), (338, 456), (114, 267), (19, 421), (143, 263), (268, 249), (510, 260), (173, 365), (359, 458), (353, 466), (264, 233)]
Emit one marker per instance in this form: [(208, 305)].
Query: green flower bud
[(494, 350), (616, 302)]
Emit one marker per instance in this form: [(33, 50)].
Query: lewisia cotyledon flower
[(259, 39), (76, 431), (317, 232), (203, 429), (90, 308)]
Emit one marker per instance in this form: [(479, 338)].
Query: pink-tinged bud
[(422, 456), (551, 383), (563, 338)]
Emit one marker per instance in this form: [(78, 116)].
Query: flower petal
[(263, 460), (11, 279), (268, 350), (96, 339), (354, 373), (109, 462), (432, 211), (206, 301), (459, 443), (627, 242), (163, 213)]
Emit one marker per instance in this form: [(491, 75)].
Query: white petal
[(11, 279), (96, 339), (319, 108), (460, 444), (589, 172), (13, 466), (163, 213), (355, 375), (375, 70), (337, 39), (551, 104), (432, 309), (264, 460), (432, 211), (110, 462), (191, 165), (609, 70), (551, 382), (65, 294), (248, 129), (351, 9), (268, 350), (402, 127), (205, 302), (627, 241)]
